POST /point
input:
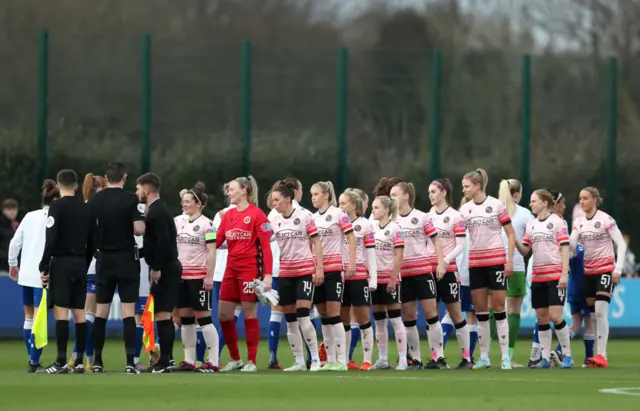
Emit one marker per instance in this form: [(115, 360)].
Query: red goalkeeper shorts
[(236, 286)]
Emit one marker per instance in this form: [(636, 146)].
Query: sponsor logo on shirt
[(236, 235), (323, 232)]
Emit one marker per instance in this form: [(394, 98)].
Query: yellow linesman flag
[(148, 323), (39, 329)]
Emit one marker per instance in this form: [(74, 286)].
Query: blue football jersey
[(576, 268)]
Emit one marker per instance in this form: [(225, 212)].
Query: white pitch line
[(335, 376), (622, 391)]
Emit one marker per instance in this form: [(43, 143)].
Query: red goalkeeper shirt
[(248, 237)]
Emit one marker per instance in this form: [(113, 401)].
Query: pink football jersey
[(484, 222), (333, 226), (545, 237), (193, 237), (292, 234), (416, 228), (449, 225), (363, 230), (388, 239), (593, 234)]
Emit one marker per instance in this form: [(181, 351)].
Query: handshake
[(270, 297)]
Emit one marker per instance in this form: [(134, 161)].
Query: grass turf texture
[(518, 389)]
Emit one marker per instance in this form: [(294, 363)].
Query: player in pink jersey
[(386, 298), (547, 237), (247, 233), (355, 327), (486, 217), (358, 287), (334, 228), (597, 231), (418, 282), (197, 254), (452, 233), (295, 228)]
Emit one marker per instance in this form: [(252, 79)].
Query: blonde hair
[(326, 187), (249, 183), (390, 204), (506, 191), (183, 192), (361, 193), (595, 194), (356, 200), (408, 188), (478, 176)]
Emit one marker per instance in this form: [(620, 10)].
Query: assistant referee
[(161, 253), (67, 252), (119, 216)]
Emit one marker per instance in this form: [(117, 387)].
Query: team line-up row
[(349, 266)]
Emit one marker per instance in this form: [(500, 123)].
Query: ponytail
[(595, 194), (249, 183), (390, 204), (49, 192), (356, 200), (445, 185), (507, 189), (408, 188), (480, 177), (326, 187), (91, 184)]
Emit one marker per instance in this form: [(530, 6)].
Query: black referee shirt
[(69, 226), (160, 237), (115, 211)]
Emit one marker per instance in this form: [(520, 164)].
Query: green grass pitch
[(518, 389)]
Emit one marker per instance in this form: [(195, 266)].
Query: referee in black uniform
[(67, 253), (161, 253), (119, 216)]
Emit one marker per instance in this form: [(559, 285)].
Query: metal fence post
[(525, 123), (145, 165), (343, 101), (246, 108), (43, 104)]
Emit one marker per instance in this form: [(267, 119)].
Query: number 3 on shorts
[(203, 300)]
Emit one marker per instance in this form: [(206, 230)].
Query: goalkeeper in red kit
[(247, 232)]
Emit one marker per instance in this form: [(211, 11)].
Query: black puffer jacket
[(6, 234)]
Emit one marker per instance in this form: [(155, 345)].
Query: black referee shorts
[(165, 292), (119, 269), (68, 282)]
